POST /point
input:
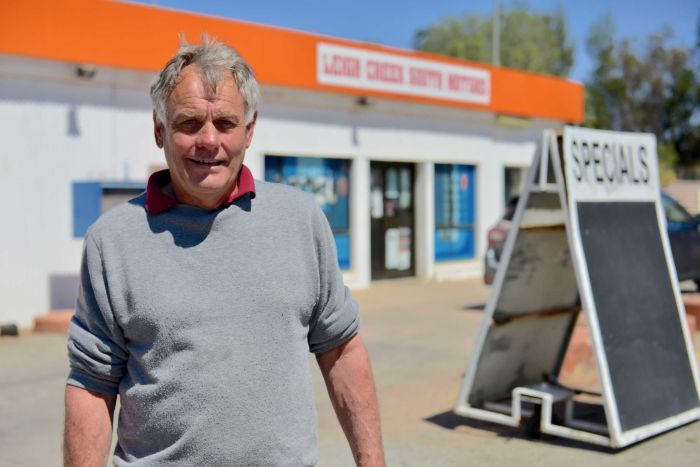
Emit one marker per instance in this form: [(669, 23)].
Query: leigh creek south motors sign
[(377, 71)]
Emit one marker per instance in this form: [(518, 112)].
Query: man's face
[(204, 138)]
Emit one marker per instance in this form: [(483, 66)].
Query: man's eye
[(190, 124), (225, 124)]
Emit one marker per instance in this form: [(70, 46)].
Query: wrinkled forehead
[(194, 86), (213, 79), (192, 97)]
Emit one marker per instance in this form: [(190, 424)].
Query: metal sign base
[(543, 397)]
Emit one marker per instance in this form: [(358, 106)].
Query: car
[(683, 234), (496, 238)]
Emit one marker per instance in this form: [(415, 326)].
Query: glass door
[(392, 219)]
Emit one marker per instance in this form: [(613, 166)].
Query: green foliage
[(528, 41), (654, 90), (468, 37), (668, 159), (604, 88)]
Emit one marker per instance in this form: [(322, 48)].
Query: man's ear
[(158, 131), (249, 129)]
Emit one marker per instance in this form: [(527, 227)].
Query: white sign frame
[(571, 187)]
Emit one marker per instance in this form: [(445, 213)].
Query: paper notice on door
[(404, 248), (376, 199), (392, 240), (397, 249)]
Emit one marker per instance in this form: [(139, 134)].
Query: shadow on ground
[(451, 421)]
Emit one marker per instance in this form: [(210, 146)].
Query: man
[(201, 299)]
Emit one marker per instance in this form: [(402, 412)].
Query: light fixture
[(513, 121), (85, 71), (362, 101)]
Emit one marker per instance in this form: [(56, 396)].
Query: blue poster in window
[(327, 180), (454, 211)]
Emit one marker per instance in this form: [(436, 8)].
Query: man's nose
[(208, 136)]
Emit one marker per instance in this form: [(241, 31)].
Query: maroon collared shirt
[(157, 201)]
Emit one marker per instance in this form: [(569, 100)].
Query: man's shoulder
[(283, 196), (120, 218)]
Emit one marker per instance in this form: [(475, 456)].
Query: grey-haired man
[(201, 299)]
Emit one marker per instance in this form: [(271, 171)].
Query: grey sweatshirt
[(202, 322)]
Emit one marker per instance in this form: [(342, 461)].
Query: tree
[(603, 88), (655, 90), (529, 41)]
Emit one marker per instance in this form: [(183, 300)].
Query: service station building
[(411, 156)]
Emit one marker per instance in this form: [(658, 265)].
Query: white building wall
[(425, 219), (58, 128), (360, 254)]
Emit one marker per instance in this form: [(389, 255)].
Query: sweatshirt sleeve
[(336, 318), (96, 349)]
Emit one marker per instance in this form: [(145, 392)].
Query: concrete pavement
[(419, 336)]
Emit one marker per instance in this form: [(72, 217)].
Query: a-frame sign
[(588, 233)]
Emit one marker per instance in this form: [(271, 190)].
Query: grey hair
[(212, 57)]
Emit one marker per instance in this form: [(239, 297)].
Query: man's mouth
[(207, 162)]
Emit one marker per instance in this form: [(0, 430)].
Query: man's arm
[(348, 375), (87, 434)]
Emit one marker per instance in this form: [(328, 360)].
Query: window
[(454, 211), (513, 181), (674, 211), (91, 199), (327, 180)]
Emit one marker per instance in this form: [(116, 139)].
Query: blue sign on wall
[(454, 211), (327, 180), (88, 200)]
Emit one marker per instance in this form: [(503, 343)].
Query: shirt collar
[(157, 201)]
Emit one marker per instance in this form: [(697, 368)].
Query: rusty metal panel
[(540, 275), (516, 353)]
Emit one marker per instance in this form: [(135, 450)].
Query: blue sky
[(394, 22)]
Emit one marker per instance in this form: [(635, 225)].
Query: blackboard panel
[(638, 316)]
